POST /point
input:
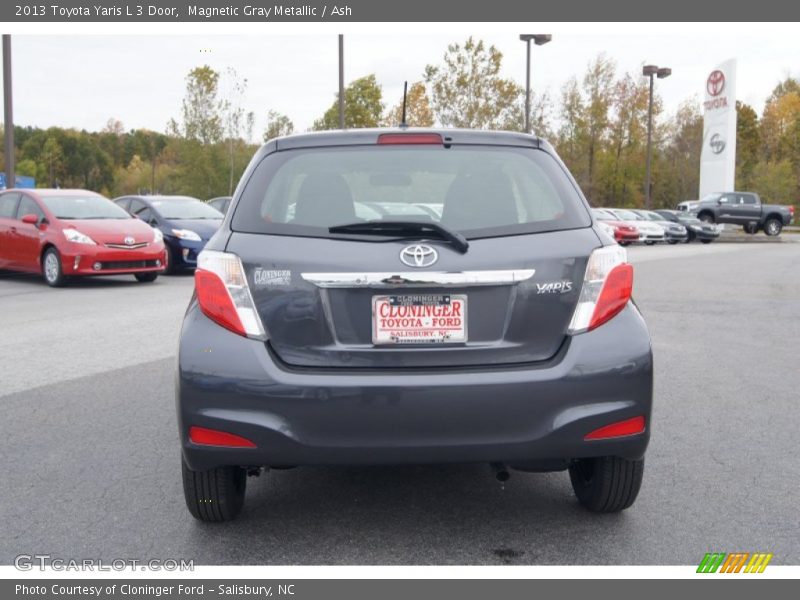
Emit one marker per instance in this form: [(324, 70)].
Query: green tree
[(467, 89), (201, 119), (748, 145), (598, 87), (363, 106), (28, 168), (624, 156), (52, 161), (572, 133), (775, 182), (237, 123), (680, 168), (787, 86), (278, 125), (418, 108)]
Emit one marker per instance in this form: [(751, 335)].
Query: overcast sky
[(83, 80)]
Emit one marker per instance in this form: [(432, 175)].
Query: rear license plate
[(419, 319)]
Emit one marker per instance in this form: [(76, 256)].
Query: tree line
[(597, 121)]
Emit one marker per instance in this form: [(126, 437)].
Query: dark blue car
[(186, 222)]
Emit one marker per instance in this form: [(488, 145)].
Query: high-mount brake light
[(607, 287), (410, 138), (224, 295)]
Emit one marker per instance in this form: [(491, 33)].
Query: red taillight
[(212, 437), (224, 294), (410, 138), (619, 429), (215, 301), (615, 294)]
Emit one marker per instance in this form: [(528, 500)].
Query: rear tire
[(145, 277), (750, 228), (215, 495), (606, 484), (672, 242), (773, 227), (706, 241), (52, 271)]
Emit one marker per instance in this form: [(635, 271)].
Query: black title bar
[(262, 11)]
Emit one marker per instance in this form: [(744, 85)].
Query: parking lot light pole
[(341, 81), (661, 73), (11, 180), (539, 39)]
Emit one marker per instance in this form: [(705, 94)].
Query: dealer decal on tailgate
[(419, 319)]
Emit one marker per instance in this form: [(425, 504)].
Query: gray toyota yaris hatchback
[(412, 296)]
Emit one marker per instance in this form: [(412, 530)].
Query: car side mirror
[(30, 219)]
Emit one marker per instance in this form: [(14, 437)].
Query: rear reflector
[(619, 429), (212, 437), (410, 138), (607, 287), (224, 295)]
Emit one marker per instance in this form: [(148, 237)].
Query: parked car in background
[(624, 233), (695, 228), (504, 332), (69, 233), (186, 223), (650, 232), (745, 209), (687, 205), (221, 203), (608, 229), (673, 232)]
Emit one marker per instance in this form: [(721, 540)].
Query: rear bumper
[(518, 414)]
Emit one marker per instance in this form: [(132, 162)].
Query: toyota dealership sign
[(718, 157)]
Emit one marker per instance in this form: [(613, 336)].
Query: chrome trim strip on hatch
[(418, 278)]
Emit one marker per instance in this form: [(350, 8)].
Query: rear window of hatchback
[(480, 191)]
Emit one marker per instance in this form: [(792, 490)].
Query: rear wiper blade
[(404, 229)]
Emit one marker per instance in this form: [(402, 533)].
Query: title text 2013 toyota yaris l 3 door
[(497, 327)]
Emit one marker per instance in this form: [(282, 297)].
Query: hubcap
[(51, 267)]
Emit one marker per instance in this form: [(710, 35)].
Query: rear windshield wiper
[(405, 229)]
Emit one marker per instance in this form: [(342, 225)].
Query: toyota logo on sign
[(715, 83), (418, 255), (717, 143)]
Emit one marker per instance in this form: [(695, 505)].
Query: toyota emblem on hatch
[(419, 255), (129, 241)]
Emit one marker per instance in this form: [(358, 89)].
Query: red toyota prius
[(67, 233)]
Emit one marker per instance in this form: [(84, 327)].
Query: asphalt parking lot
[(91, 460)]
